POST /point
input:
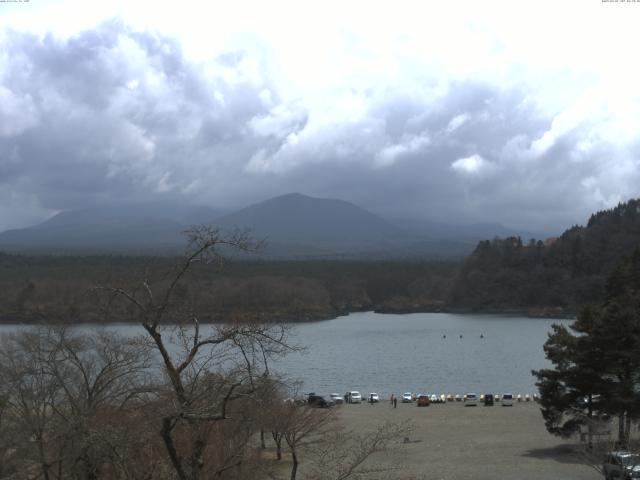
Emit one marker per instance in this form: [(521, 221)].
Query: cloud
[(473, 165), (118, 113), (409, 144)]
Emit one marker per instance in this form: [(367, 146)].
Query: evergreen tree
[(598, 355)]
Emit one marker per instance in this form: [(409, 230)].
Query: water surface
[(423, 352)]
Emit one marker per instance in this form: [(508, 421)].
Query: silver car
[(621, 465), (337, 398)]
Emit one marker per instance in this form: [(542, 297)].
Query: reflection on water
[(423, 352)]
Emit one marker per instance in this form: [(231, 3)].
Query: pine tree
[(597, 357)]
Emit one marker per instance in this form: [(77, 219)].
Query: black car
[(319, 401), (488, 400)]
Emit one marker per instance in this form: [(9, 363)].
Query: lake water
[(423, 352), (387, 354)]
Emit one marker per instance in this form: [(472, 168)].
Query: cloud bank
[(116, 114)]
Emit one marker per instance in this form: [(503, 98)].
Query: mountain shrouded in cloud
[(117, 114)]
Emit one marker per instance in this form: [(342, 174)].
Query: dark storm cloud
[(115, 115)]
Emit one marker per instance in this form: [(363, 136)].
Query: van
[(355, 397), (507, 400)]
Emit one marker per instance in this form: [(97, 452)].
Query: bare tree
[(301, 425), (344, 455), (208, 368), (29, 398), (66, 397)]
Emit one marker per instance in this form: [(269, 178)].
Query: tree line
[(43, 289), (557, 276)]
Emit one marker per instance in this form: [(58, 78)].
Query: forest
[(553, 277)]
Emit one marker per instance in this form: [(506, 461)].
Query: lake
[(422, 352), (387, 353)]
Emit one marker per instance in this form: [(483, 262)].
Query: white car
[(337, 398), (373, 398), (407, 397), (470, 400), (355, 397), (507, 400)]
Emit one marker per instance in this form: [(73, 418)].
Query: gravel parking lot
[(451, 441)]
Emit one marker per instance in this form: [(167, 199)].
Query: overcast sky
[(520, 112)]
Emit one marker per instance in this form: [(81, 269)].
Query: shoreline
[(543, 313)]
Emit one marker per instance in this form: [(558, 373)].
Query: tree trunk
[(589, 425), (43, 462), (627, 430), (277, 438), (263, 445), (167, 427), (621, 435), (197, 462), (294, 464)]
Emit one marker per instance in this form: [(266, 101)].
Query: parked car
[(470, 400), (507, 400), (355, 397), (407, 397), (373, 398), (337, 398), (621, 465), (423, 400), (488, 400), (318, 401)]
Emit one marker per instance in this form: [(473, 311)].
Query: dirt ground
[(451, 441)]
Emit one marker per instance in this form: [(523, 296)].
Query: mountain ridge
[(294, 225)]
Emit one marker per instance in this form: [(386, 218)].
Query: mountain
[(293, 225), (139, 227), (296, 224)]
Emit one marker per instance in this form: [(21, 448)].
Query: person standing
[(391, 398), (395, 402)]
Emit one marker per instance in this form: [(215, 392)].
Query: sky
[(519, 112)]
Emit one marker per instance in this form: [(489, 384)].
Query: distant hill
[(140, 227), (557, 275), (295, 226), (466, 233)]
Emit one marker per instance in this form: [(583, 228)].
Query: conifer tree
[(598, 356)]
